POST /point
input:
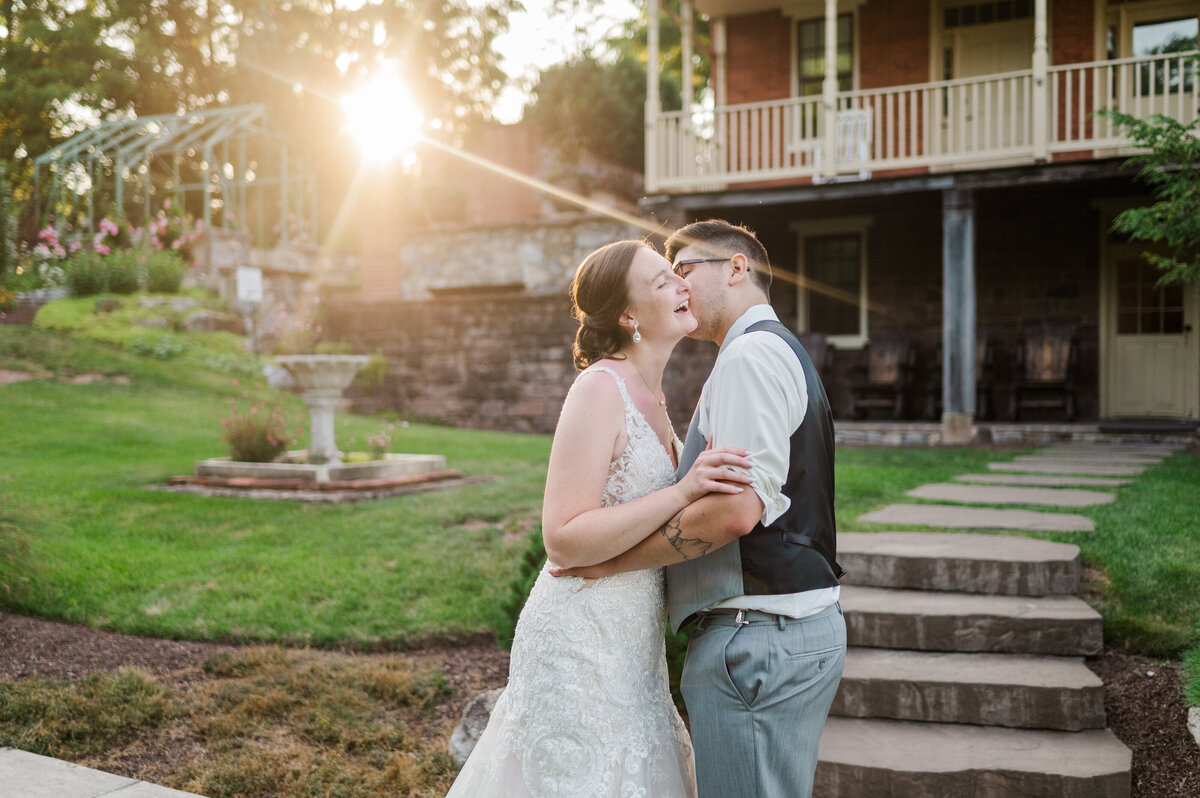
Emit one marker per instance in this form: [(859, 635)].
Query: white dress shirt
[(756, 398)]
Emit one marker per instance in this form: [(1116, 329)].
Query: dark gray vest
[(798, 551)]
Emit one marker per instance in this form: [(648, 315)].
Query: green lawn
[(101, 549), (94, 546)]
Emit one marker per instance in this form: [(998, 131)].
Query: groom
[(769, 642)]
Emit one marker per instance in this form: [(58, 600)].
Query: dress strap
[(629, 405)]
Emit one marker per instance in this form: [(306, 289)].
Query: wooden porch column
[(958, 316), (717, 32), (653, 102), (829, 90), (688, 76), (1041, 102)]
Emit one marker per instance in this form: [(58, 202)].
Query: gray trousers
[(757, 694)]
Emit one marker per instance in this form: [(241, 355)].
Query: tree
[(588, 106), (65, 62), (595, 103), (1171, 164)]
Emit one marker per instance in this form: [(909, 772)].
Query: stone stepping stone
[(965, 562), (1082, 468), (35, 776), (1162, 450), (1013, 690), (1043, 480), (1003, 494), (977, 518), (925, 620), (1123, 459), (906, 759)]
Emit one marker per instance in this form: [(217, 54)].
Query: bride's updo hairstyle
[(599, 295)]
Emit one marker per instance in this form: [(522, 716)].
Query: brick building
[(962, 190)]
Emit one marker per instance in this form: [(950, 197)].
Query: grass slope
[(101, 549)]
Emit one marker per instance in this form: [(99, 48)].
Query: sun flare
[(382, 118)]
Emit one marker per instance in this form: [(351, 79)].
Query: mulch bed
[(1143, 699), (1146, 712)]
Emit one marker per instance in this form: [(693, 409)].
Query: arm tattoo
[(687, 547)]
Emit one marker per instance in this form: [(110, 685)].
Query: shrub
[(86, 275), (123, 271), (518, 589), (258, 436), (164, 272), (161, 346)]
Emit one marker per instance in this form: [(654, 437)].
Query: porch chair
[(985, 357), (886, 378), (1045, 371), (821, 351), (855, 137)]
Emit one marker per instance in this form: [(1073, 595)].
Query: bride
[(587, 712)]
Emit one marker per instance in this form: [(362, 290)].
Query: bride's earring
[(637, 336)]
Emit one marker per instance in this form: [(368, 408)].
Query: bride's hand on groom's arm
[(716, 471)]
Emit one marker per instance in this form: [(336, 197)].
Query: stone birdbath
[(322, 378)]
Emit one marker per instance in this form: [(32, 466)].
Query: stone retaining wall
[(486, 361), (541, 257)]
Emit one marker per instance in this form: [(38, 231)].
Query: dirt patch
[(32, 648), (1143, 699), (7, 376), (89, 378)]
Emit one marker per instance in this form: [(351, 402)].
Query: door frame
[(1107, 210)]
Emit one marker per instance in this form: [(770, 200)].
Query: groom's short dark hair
[(723, 239)]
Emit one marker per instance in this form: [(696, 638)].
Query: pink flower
[(235, 382), (103, 250)]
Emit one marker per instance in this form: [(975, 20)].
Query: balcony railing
[(942, 125)]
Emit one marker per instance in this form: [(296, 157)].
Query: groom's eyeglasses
[(687, 264)]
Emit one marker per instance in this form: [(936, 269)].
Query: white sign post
[(249, 296)]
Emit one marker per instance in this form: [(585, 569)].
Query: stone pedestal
[(322, 378)]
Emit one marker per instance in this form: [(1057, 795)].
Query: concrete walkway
[(26, 775)]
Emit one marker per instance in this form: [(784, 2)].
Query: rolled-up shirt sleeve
[(756, 399)]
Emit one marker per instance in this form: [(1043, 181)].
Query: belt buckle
[(740, 618)]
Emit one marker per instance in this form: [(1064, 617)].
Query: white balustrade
[(943, 124)]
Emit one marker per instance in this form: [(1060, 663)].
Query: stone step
[(963, 562), (1059, 467), (977, 518), (1089, 457), (997, 494), (1014, 690), (1044, 480), (866, 758), (969, 622)]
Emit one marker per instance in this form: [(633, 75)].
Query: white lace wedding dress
[(587, 712)]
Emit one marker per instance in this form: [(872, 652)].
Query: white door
[(992, 115), (1152, 360)]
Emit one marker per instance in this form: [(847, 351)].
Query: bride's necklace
[(661, 402)]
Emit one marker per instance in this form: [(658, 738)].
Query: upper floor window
[(960, 16), (810, 34)]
